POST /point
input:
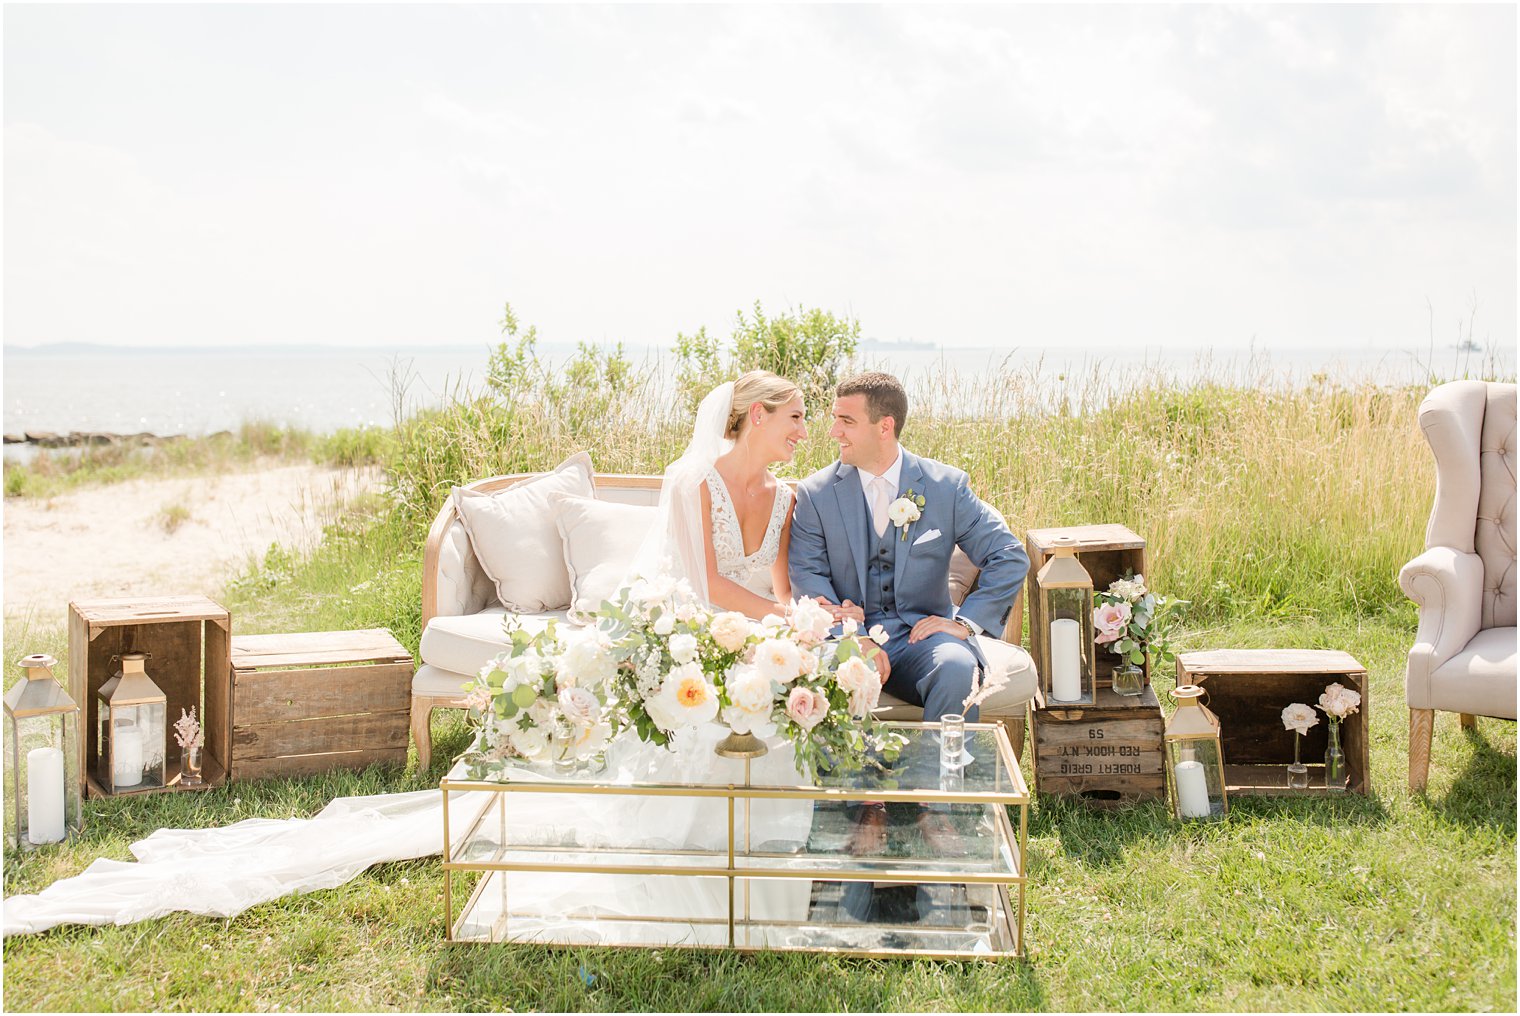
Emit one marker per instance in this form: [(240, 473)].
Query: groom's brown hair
[(884, 397)]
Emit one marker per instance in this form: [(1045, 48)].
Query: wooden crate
[(1108, 754), (1108, 552), (313, 701), (1248, 689), (188, 638)]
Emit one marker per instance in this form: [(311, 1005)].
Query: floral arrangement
[(187, 730), (1339, 702), (1132, 621), (547, 698), (1299, 718), (652, 659), (681, 665)]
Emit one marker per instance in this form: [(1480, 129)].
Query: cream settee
[(546, 537)]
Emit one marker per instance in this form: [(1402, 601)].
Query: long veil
[(675, 546)]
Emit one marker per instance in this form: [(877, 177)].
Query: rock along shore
[(82, 438)]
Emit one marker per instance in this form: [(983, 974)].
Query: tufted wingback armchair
[(1463, 659)]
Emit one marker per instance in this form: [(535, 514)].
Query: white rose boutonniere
[(905, 511)]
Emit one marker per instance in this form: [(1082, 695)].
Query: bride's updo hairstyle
[(758, 386)]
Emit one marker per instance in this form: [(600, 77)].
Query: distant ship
[(1467, 346), (897, 346)]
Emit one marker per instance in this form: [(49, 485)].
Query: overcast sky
[(1081, 177)]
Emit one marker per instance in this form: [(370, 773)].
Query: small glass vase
[(1337, 775), (1298, 773), (1128, 679), (190, 767)]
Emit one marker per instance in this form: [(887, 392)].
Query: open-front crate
[(1108, 552), (1248, 689), (188, 640)]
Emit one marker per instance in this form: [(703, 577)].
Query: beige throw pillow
[(515, 538), (601, 539)]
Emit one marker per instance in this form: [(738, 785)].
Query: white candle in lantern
[(127, 756), (1192, 789), (1066, 660), (44, 795)]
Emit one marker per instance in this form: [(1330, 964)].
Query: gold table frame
[(1004, 934)]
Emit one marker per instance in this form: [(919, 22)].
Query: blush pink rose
[(1111, 619), (806, 707)]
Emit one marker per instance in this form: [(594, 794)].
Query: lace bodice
[(753, 571)]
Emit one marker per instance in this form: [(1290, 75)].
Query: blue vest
[(880, 600)]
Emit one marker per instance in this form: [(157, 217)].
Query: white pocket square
[(932, 534)]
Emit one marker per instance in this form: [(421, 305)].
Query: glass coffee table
[(662, 850)]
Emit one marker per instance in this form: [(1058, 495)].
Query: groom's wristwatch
[(970, 631)]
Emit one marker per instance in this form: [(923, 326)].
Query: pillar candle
[(1066, 660), (44, 795), (1192, 789), (127, 756)]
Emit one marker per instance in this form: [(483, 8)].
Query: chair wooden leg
[(1016, 734), (1422, 724), (422, 732), (1469, 721)]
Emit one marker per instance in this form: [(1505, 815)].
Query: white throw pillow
[(515, 539), (601, 539)]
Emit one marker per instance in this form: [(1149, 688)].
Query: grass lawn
[(1379, 902)]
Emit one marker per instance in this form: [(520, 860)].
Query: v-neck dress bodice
[(752, 571)]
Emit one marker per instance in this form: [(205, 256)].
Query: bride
[(723, 525)]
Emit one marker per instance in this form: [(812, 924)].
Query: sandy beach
[(185, 535)]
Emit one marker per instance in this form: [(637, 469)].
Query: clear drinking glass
[(952, 740)]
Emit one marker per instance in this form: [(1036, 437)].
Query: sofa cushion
[(1480, 679), (515, 539), (601, 540), (464, 643)]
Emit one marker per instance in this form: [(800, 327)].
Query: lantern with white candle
[(42, 786), (1194, 759), (1067, 673), (131, 736)]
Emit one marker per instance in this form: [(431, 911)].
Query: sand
[(117, 540)]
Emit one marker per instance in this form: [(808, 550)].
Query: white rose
[(530, 742), (665, 623), (855, 673), (780, 660), (811, 620), (587, 659), (730, 630), (753, 698), (580, 706), (683, 648), (902, 511), (865, 699)]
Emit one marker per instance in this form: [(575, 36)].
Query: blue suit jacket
[(830, 530)]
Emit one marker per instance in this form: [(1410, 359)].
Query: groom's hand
[(932, 625)]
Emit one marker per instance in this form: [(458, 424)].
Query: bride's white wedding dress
[(222, 872)]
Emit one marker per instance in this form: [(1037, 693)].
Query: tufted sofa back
[(1471, 429)]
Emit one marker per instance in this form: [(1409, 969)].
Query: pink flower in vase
[(1111, 619)]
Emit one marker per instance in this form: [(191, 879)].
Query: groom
[(847, 549)]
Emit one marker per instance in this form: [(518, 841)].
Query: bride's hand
[(848, 609)]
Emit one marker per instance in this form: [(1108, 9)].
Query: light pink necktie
[(880, 496)]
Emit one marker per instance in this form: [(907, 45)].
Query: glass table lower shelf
[(747, 856)]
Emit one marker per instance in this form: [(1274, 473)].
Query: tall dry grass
[(1276, 498)]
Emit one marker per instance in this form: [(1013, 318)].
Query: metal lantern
[(1195, 760), (41, 757), (131, 735), (1068, 675)]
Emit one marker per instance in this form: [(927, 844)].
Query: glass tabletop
[(986, 771)]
